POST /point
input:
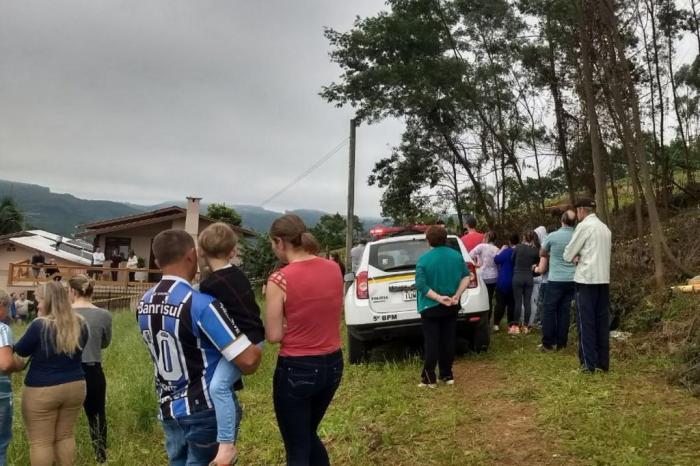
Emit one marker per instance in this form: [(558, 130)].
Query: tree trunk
[(614, 94), (591, 115), (560, 116), (681, 131), (480, 199), (458, 204), (611, 174), (652, 91), (659, 245), (665, 165)]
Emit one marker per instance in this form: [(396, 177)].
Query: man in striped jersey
[(187, 333), (590, 250)]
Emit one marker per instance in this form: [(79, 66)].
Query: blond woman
[(55, 382)]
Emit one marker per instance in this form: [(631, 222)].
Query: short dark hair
[(471, 221), (436, 236), (514, 238), (171, 245)]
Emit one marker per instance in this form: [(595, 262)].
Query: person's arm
[(423, 288), (463, 284), (107, 334), (9, 362), (573, 249), (500, 258), (274, 308), (228, 339), (30, 341), (476, 254)]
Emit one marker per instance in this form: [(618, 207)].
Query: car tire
[(481, 336), (357, 350)]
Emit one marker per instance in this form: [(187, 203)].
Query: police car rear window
[(402, 255)]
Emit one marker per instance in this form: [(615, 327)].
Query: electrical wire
[(307, 172)]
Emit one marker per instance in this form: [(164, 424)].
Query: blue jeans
[(303, 388), (556, 317), (228, 410), (5, 427), (191, 440)]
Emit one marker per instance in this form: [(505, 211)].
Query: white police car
[(381, 302)]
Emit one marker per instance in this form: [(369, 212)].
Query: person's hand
[(577, 259), (445, 300), (455, 300)]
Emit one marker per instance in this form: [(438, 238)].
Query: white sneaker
[(496, 328), (427, 385)]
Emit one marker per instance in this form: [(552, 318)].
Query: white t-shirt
[(98, 258)]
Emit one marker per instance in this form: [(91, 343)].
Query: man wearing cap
[(589, 250)]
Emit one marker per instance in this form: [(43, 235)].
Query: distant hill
[(60, 213)]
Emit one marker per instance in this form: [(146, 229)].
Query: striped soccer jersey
[(186, 333)]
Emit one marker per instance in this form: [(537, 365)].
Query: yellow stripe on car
[(393, 278)]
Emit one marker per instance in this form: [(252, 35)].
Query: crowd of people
[(203, 338), (534, 278)]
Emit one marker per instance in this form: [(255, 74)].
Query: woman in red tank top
[(303, 310)]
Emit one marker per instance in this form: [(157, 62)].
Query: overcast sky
[(149, 101)]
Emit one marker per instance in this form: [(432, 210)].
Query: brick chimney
[(192, 218)]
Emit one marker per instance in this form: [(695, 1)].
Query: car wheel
[(357, 350), (481, 336)]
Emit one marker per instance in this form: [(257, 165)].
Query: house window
[(123, 245)]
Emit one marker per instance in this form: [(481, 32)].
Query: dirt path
[(508, 428)]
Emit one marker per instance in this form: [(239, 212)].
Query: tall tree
[(587, 20), (224, 213), (11, 217)]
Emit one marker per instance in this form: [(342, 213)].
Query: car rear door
[(392, 274)]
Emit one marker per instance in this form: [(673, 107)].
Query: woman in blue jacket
[(504, 286)]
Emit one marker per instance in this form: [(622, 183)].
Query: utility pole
[(351, 198)]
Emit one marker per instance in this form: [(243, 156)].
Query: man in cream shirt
[(589, 250)]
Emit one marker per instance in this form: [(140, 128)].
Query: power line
[(307, 172)]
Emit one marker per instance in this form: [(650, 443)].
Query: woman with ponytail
[(303, 311), (55, 383), (100, 323)]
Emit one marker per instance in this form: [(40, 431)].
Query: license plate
[(411, 295)]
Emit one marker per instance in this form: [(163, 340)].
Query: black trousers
[(504, 302), (491, 289), (303, 388), (94, 405), (592, 304), (439, 341)]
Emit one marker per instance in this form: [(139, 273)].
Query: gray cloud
[(150, 101)]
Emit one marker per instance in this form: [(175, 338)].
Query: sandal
[(232, 463)]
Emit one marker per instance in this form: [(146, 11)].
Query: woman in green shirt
[(441, 278)]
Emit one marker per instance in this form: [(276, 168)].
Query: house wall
[(20, 254), (142, 237)]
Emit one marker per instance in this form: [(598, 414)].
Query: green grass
[(379, 417)]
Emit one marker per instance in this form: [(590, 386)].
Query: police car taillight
[(362, 286), (473, 282)]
